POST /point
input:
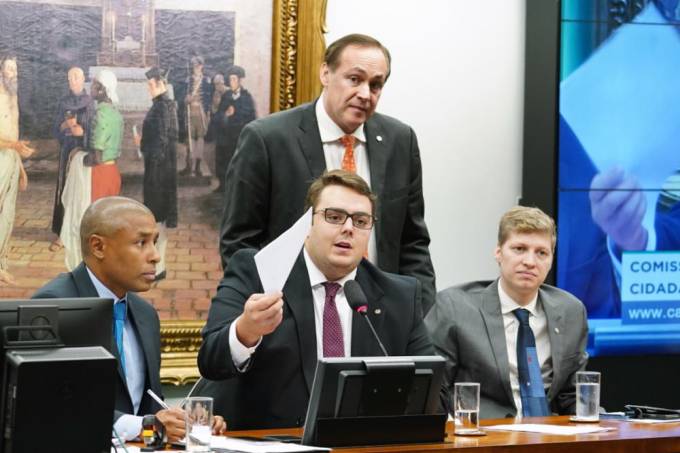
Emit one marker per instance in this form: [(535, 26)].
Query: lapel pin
[(557, 330), (378, 137), (377, 311)]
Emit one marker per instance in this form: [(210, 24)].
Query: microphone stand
[(362, 312)]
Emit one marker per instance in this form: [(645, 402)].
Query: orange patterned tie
[(348, 163)]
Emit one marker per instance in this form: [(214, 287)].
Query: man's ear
[(97, 245), (497, 254), (324, 72)]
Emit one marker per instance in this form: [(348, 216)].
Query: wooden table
[(627, 437)]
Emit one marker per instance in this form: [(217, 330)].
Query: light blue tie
[(532, 393), (119, 313)]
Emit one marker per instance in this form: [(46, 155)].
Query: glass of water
[(588, 396), (466, 408), (199, 423)]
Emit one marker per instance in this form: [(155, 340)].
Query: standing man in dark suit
[(118, 238), (267, 345), (278, 157), (236, 109), (158, 144), (522, 340), (196, 94)]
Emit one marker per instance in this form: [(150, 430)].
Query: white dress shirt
[(240, 354), (334, 150), (539, 325), (128, 426), (316, 279)]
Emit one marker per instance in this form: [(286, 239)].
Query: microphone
[(357, 301)]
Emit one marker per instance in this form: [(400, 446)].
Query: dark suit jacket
[(584, 266), (466, 325), (145, 322), (274, 390), (159, 147), (279, 156)]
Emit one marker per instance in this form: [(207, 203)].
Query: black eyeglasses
[(336, 216)]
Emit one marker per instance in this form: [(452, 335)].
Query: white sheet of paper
[(275, 261), (550, 429), (254, 446), (623, 103)]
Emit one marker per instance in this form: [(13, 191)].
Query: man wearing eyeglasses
[(267, 345), (277, 157)]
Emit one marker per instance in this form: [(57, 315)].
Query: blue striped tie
[(119, 313), (532, 393)]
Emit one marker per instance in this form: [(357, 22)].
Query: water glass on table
[(466, 408), (587, 396), (199, 413)]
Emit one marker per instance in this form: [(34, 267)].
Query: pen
[(157, 398)]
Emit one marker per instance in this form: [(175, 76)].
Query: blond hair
[(522, 219)]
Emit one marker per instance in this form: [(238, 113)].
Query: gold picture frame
[(297, 51)]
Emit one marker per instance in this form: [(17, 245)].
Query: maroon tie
[(333, 345)]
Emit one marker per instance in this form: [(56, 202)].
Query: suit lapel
[(83, 282), (297, 294), (377, 160), (363, 343), (86, 289), (310, 141), (495, 330), (556, 328), (377, 154), (142, 328)]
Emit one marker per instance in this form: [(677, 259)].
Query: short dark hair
[(158, 74), (238, 71), (339, 178), (334, 51)]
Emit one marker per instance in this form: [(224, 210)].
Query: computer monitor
[(58, 399), (79, 321), (76, 322), (375, 400)]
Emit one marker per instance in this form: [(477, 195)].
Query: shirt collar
[(328, 130), (316, 277), (508, 304), (102, 290)]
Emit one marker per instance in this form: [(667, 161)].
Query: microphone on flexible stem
[(357, 301)]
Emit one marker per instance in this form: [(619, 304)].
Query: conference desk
[(627, 437)]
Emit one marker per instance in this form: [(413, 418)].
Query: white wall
[(458, 80)]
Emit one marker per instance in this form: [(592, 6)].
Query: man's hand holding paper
[(262, 314)]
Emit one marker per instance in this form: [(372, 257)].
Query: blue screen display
[(618, 204)]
